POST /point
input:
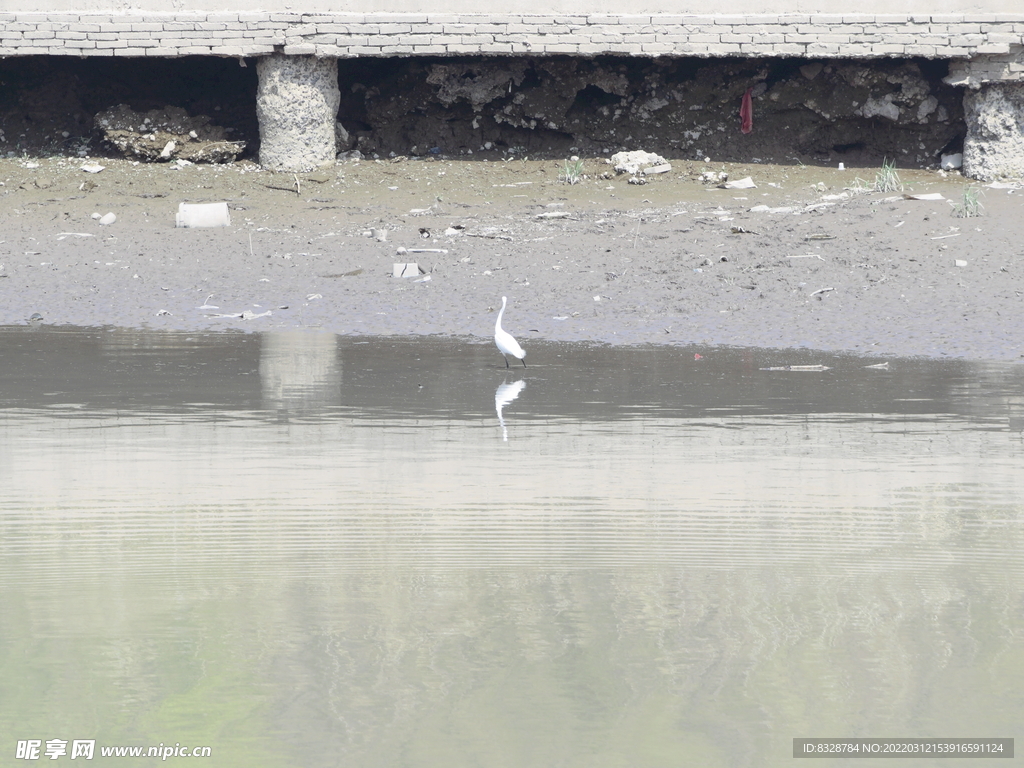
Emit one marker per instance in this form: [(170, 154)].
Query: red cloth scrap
[(747, 112)]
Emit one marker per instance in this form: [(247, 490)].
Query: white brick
[(993, 48), (723, 50), (729, 37), (1003, 37), (231, 50)]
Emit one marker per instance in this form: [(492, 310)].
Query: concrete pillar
[(994, 113), (297, 103), (994, 146)]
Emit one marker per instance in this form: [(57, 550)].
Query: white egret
[(506, 344)]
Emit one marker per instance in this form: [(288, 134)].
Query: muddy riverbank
[(801, 259)]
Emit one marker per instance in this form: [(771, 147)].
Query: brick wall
[(945, 36)]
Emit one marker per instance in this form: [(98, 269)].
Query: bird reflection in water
[(503, 395)]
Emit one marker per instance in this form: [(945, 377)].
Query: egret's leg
[(524, 362)]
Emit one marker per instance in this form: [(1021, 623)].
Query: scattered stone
[(714, 177), (637, 161), (812, 70)]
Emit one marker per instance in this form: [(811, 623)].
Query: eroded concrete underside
[(814, 110)]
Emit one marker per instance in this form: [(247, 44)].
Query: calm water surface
[(305, 550)]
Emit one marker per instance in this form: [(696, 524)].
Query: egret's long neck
[(497, 323)]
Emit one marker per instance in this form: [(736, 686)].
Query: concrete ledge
[(409, 34)]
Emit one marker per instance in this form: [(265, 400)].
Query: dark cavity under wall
[(48, 103), (814, 111)]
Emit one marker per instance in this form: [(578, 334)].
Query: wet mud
[(800, 260)]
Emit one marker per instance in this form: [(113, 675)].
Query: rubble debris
[(167, 134)]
